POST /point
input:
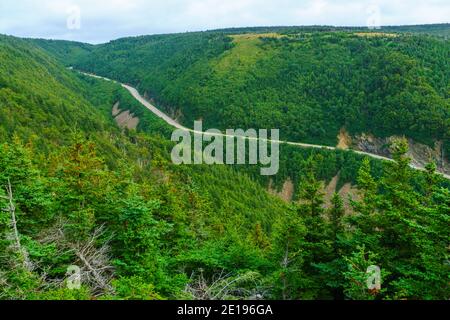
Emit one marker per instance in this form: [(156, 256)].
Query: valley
[(175, 124), (87, 183)]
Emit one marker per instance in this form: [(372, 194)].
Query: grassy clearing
[(245, 53), (376, 34)]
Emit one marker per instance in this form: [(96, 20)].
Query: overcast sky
[(98, 21)]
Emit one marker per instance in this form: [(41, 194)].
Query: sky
[(98, 21)]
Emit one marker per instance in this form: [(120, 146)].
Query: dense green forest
[(307, 83), (78, 190)]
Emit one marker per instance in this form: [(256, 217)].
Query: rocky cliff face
[(420, 154)]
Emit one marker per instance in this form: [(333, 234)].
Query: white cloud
[(102, 20)]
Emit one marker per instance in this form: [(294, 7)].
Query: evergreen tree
[(289, 251)]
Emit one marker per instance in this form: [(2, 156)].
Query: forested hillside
[(310, 84), (74, 173), (86, 193)]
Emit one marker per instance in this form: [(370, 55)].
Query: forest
[(309, 84), (76, 190)]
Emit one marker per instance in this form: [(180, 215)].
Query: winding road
[(176, 125)]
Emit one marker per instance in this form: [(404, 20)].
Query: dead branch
[(224, 286), (97, 270), (93, 260), (11, 208)]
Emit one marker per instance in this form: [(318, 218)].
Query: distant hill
[(66, 51), (311, 82), (440, 30)]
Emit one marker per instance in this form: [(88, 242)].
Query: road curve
[(175, 124)]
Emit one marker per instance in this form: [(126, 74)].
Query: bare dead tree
[(284, 264), (92, 259), (97, 272), (54, 234), (11, 209), (225, 286)]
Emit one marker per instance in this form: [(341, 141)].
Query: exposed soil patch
[(329, 191), (124, 119), (286, 193), (345, 141), (116, 110), (347, 193)]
